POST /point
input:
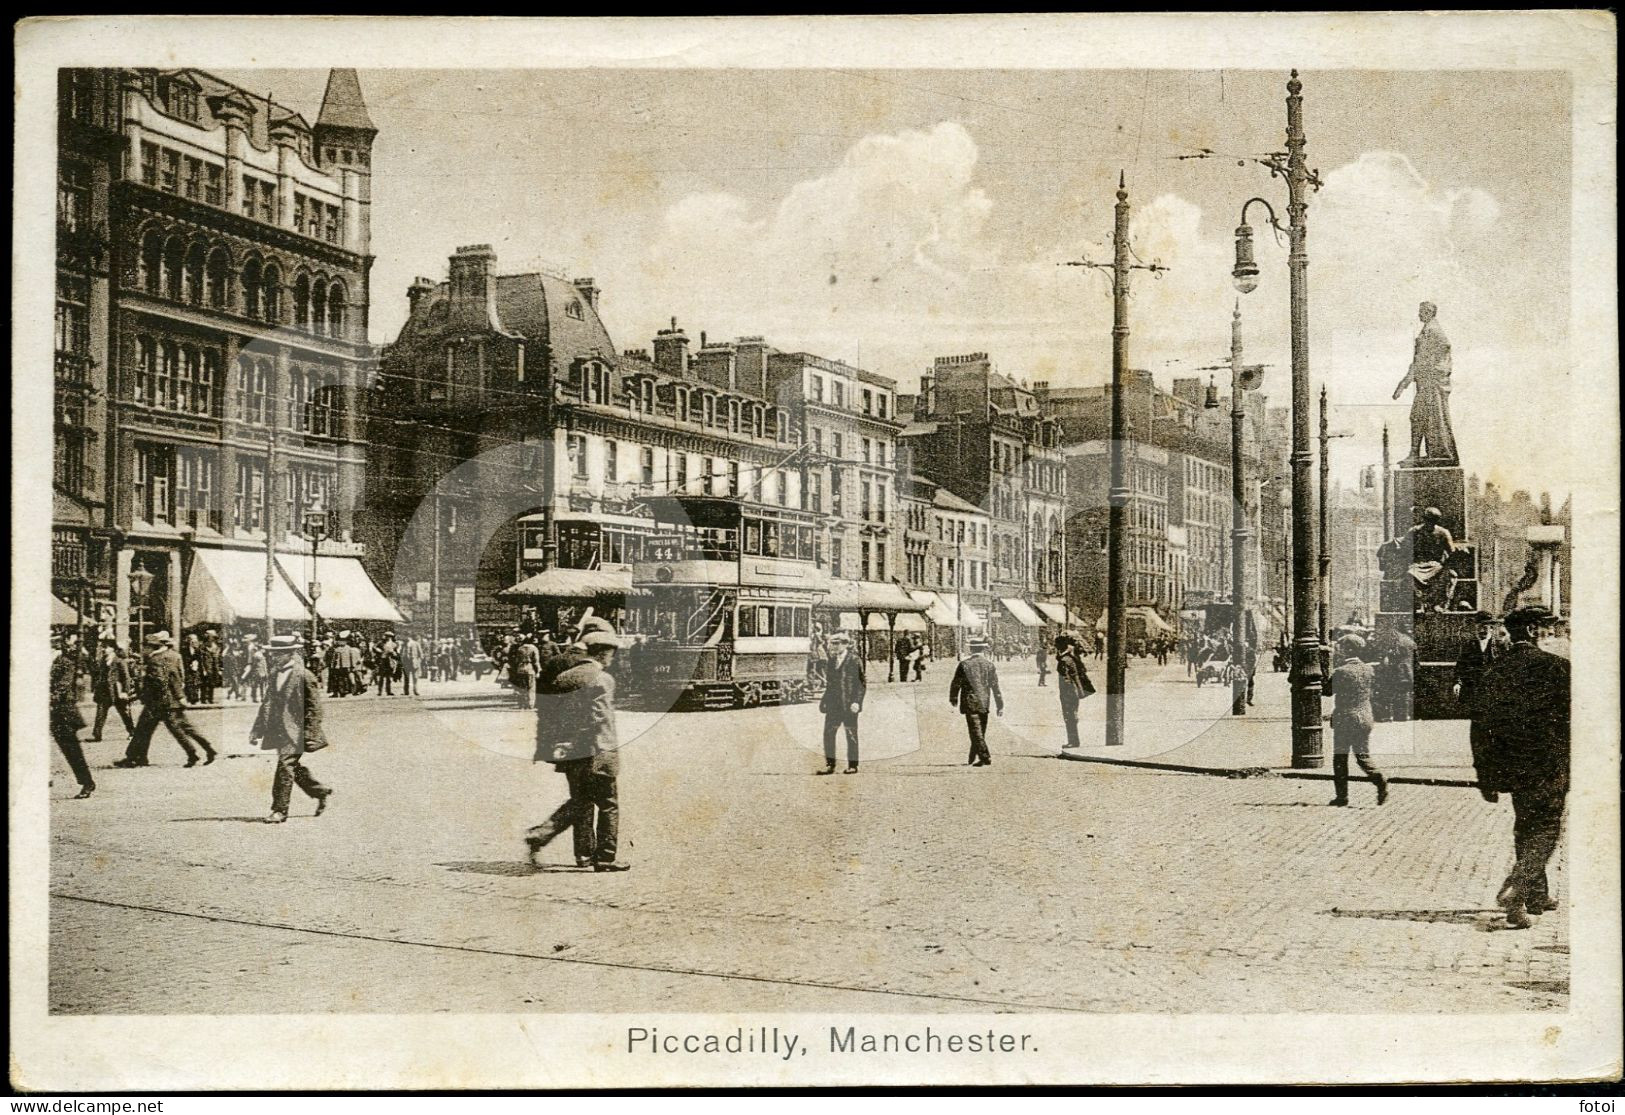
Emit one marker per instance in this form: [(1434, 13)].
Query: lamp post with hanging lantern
[(314, 527), (1307, 744), (140, 581)]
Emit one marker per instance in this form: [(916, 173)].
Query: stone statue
[(1430, 409), (1423, 554)]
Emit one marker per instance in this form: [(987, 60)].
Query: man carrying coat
[(1073, 681), (163, 701), (973, 691), (842, 701), (290, 723), (65, 717), (1524, 750)]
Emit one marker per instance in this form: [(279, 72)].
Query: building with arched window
[(211, 351)]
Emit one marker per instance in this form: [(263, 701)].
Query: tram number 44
[(663, 549)]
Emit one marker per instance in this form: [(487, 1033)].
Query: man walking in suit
[(1074, 684), (163, 701), (411, 664), (842, 701), (974, 690), (110, 685), (575, 731), (1524, 707), (523, 662), (1352, 684), (65, 717), (1041, 659), (290, 723)]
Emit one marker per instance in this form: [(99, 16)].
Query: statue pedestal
[(1437, 635), (1425, 483)]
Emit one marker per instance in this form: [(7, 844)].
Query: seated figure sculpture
[(1423, 554)]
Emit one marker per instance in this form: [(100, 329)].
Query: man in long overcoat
[(1524, 750), (290, 723), (575, 731), (975, 692), (1073, 683), (111, 686), (842, 701), (65, 718)]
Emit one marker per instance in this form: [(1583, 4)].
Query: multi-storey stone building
[(211, 346), (986, 439)]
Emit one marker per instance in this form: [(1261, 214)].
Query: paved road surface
[(918, 884)]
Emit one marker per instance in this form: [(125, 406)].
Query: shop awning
[(62, 615), (1154, 624), (226, 586), (1021, 612), (936, 611), (576, 584), (869, 596), (347, 590), (1058, 615), (911, 621)]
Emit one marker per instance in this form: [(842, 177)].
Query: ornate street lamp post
[(140, 581), (1307, 746), (314, 528)]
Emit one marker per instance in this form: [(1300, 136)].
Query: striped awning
[(575, 584), (1019, 610)]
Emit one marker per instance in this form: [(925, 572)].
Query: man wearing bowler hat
[(65, 718), (975, 691), (841, 702), (1523, 706), (290, 723), (163, 701)]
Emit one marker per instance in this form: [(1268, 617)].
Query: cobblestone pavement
[(918, 884)]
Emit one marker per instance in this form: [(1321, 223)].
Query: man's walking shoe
[(210, 755), (86, 791), (827, 770), (276, 818), (1382, 791), (321, 802), (851, 768), (191, 761), (583, 862), (1545, 906), (533, 848), (1069, 746), (611, 865), (1338, 802), (127, 764), (1518, 917)]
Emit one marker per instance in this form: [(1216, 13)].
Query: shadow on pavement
[(240, 820), (1542, 986), (510, 868), (1480, 918)]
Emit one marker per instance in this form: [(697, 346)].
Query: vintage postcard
[(814, 551)]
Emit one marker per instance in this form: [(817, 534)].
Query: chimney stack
[(589, 292), (671, 350), (473, 286)]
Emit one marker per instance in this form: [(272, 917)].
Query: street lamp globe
[(1212, 400), (140, 581), (1245, 274)]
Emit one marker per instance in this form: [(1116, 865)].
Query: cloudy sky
[(887, 217)]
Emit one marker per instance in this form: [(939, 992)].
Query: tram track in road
[(514, 954)]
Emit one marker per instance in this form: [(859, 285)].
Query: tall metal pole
[(1118, 496), (434, 614), (1307, 746), (1325, 553), (1238, 524), (1387, 510), (272, 412)]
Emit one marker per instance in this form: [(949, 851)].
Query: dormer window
[(178, 98), (574, 310)]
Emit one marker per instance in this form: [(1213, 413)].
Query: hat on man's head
[(597, 640), (1532, 615), (1431, 513), (840, 637), (979, 642), (1484, 617), (1350, 646), (1064, 641), (285, 642), (159, 639), (595, 623)]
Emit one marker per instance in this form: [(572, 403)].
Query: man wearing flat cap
[(1351, 686), (975, 692), (163, 701), (841, 701), (1523, 706), (575, 731), (290, 723)]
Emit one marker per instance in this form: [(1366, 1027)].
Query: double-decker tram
[(728, 587)]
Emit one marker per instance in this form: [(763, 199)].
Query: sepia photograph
[(816, 551)]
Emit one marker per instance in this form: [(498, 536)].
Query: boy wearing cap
[(976, 679), (163, 701), (841, 702), (1524, 708), (290, 723), (575, 731)]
